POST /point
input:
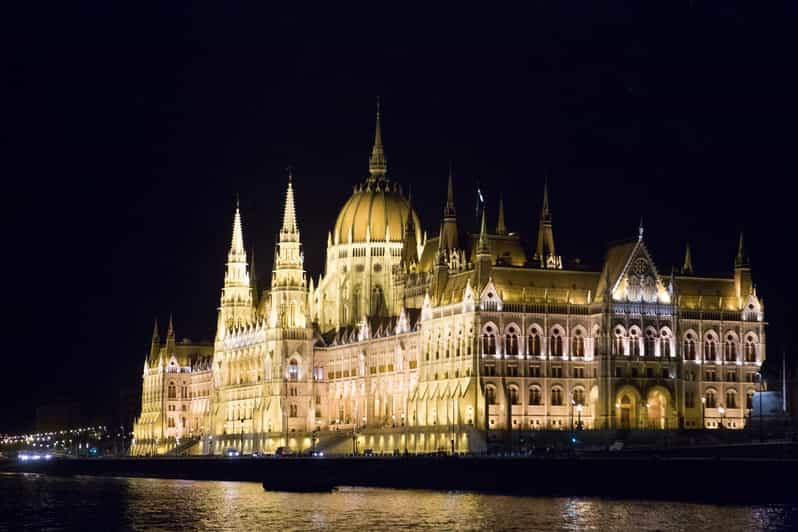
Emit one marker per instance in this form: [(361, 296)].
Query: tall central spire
[(289, 301), (289, 249), (289, 230), (237, 242), (378, 166)]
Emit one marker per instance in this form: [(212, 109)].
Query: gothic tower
[(289, 334), (545, 254), (235, 309)]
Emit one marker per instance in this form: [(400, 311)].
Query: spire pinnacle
[(155, 345), (170, 333), (449, 210), (741, 260), (501, 227), (378, 166), (687, 267), (289, 212), (545, 253), (483, 248), (640, 230), (237, 242), (544, 212)]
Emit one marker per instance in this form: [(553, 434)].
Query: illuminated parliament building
[(413, 344)]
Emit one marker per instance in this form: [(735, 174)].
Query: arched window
[(534, 396), (556, 397), (617, 342), (731, 399), (664, 344), (650, 343), (579, 396), (514, 399), (750, 349), (489, 341), (490, 395), (749, 399), (511, 342), (578, 344), (172, 391), (730, 349), (689, 347), (448, 345), (293, 370), (711, 401), (556, 343), (533, 342), (634, 343), (710, 349)]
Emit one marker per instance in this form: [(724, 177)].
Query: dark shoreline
[(717, 480)]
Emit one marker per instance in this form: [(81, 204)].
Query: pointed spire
[(501, 227), (741, 260), (236, 300), (448, 234), (483, 248), (640, 230), (449, 210), (545, 253), (687, 267), (155, 345), (544, 212), (378, 166), (170, 337), (237, 242), (289, 212)]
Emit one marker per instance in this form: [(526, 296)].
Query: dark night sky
[(127, 134)]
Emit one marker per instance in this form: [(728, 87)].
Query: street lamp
[(703, 412), (579, 413), (573, 403)]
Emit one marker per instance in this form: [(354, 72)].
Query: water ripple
[(86, 503)]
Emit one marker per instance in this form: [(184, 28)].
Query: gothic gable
[(489, 299), (639, 280)]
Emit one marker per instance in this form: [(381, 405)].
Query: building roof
[(373, 208)]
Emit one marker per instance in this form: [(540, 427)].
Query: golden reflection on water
[(112, 503)]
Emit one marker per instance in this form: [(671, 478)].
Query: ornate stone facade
[(414, 344)]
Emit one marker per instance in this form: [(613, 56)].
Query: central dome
[(375, 206)]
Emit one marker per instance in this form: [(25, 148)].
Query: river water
[(89, 503)]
